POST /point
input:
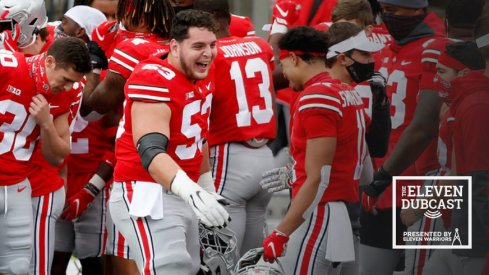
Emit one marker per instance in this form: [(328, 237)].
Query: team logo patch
[(444, 210)]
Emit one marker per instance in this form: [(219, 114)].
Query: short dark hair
[(43, 34), (339, 32), (218, 8), (186, 19), (467, 53), (70, 52), (305, 39), (156, 15), (353, 9)]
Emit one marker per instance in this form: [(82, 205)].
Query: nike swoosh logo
[(20, 189), (404, 63), (273, 249), (53, 106), (100, 37), (282, 12)]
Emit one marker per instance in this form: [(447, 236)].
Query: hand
[(370, 195), (78, 203), (274, 246), (377, 86), (205, 206), (286, 12), (8, 40), (277, 179), (39, 109), (97, 56)]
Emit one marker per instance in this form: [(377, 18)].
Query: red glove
[(368, 203), (286, 12), (7, 41), (274, 246), (79, 202)]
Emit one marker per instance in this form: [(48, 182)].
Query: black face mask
[(178, 9), (401, 26), (360, 72)]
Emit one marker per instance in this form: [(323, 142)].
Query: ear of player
[(207, 208), (371, 193), (274, 246)]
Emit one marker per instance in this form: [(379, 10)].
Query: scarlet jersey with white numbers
[(64, 102), (410, 68), (330, 108), (154, 80), (17, 135), (242, 104), (241, 26), (130, 52)]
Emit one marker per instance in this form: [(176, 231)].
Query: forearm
[(163, 169), (302, 201), (107, 96), (54, 147), (418, 135)]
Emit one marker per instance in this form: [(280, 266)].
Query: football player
[(38, 95), (156, 201), (241, 123)]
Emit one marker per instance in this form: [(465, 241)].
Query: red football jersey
[(330, 108), (242, 104), (155, 80), (410, 68), (42, 184), (241, 26), (130, 52), (18, 129)]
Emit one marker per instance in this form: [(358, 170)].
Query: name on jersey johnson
[(241, 49)]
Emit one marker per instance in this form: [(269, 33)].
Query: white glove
[(206, 207), (277, 179), (207, 183)]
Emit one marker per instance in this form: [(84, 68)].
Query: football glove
[(274, 246), (285, 13), (205, 206), (371, 193), (79, 202), (97, 56), (277, 179), (377, 85)]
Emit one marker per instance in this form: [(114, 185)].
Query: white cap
[(358, 42), (86, 17)]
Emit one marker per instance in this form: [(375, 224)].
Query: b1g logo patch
[(442, 208)]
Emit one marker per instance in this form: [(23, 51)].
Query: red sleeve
[(319, 114), (432, 49), (475, 136), (148, 83)]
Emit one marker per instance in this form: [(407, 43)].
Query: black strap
[(314, 9)]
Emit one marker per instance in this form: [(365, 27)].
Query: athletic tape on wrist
[(97, 181)]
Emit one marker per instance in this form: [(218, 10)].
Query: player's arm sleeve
[(124, 58), (379, 131), (147, 85)]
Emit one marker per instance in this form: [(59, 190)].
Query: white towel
[(339, 246), (147, 200)]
